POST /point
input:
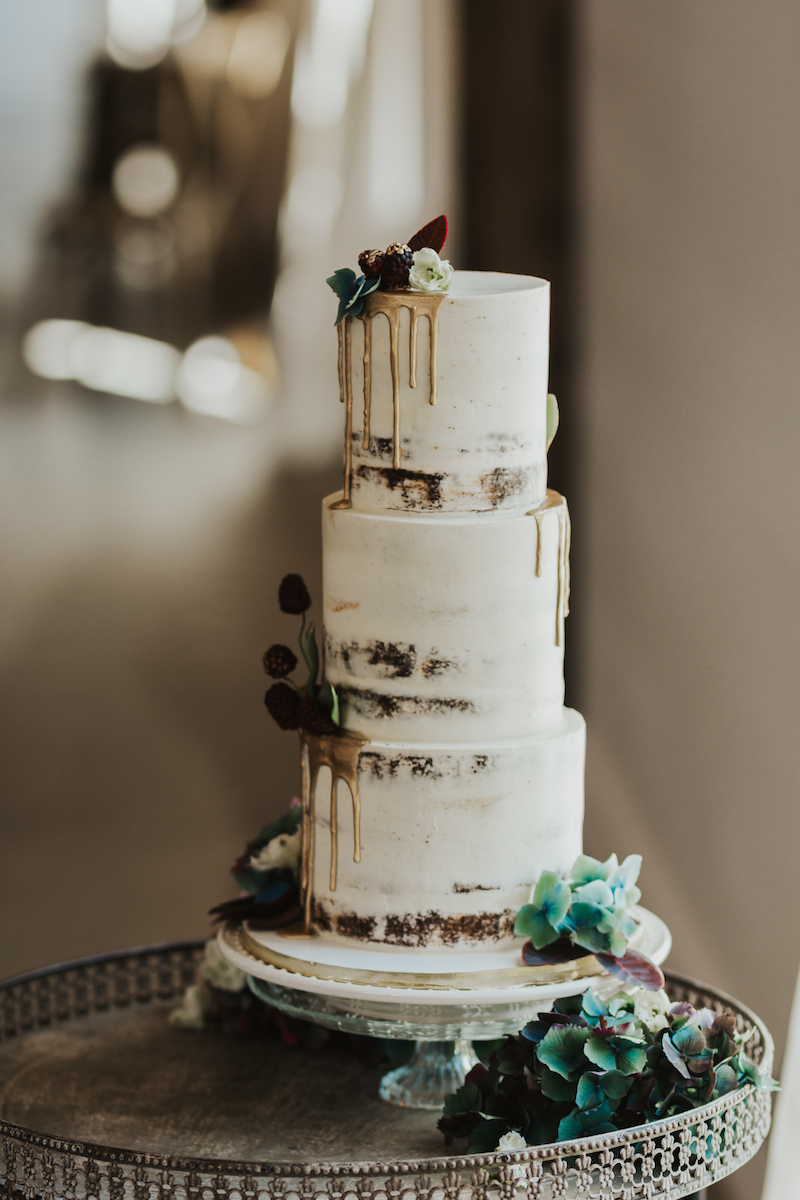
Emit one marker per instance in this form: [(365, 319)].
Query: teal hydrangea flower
[(540, 920), (562, 1050), (686, 1049), (595, 1087), (617, 1052), (582, 1123), (598, 918)]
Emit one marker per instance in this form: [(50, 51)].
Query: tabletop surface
[(129, 1078)]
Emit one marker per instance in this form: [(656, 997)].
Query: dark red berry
[(283, 705), (397, 262), (293, 595), (279, 661), (315, 718), (371, 263)]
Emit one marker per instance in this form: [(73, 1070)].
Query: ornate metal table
[(101, 1098)]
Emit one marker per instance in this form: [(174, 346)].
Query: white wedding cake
[(446, 585)]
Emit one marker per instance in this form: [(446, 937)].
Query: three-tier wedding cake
[(446, 585)]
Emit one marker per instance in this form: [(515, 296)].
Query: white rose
[(511, 1143), (282, 851), (651, 1009), (217, 971), (429, 273)]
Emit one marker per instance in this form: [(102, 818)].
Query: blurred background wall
[(165, 181)]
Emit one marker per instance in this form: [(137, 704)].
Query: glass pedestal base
[(434, 1071)]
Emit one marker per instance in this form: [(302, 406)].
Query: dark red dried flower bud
[(283, 705), (279, 661), (293, 595), (315, 718), (371, 263)]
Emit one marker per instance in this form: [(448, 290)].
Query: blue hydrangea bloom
[(541, 919)]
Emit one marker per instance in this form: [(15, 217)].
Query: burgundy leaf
[(433, 235), (633, 968), (562, 951), (283, 911)]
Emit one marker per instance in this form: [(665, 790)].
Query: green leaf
[(311, 655), (615, 1084), (555, 1086), (466, 1099), (327, 696), (552, 418), (486, 1134)]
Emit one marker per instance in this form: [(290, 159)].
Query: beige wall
[(687, 543)]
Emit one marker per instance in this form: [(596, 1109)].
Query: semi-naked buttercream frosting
[(446, 585)]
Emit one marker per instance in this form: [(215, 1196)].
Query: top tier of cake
[(447, 397)]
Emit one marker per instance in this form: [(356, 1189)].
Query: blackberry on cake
[(293, 595), (397, 262), (315, 718), (371, 263), (283, 705), (279, 661)]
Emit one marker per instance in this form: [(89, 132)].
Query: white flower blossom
[(429, 273), (282, 851), (651, 1009), (216, 970), (606, 987), (511, 1143), (191, 1013)]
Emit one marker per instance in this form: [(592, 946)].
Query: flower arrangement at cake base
[(594, 1066)]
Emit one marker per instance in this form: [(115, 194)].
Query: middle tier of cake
[(447, 629)]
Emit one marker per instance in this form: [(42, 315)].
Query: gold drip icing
[(553, 500), (340, 753), (340, 328), (419, 304), (346, 395), (367, 319)]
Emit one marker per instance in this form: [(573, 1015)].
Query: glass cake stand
[(441, 1020)]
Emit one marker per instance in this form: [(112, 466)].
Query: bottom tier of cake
[(452, 836)]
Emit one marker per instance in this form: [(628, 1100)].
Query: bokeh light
[(212, 380), (140, 32), (145, 180), (256, 59)]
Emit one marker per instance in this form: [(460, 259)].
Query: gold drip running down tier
[(340, 753), (419, 304), (554, 500)]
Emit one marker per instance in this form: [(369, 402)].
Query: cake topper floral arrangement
[(414, 266)]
